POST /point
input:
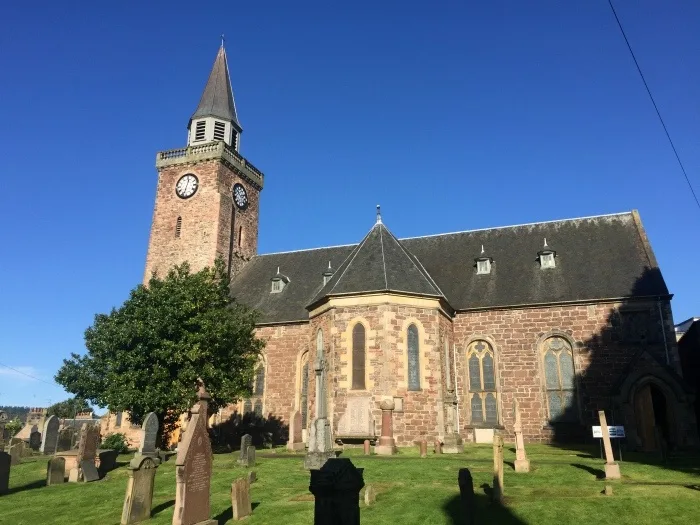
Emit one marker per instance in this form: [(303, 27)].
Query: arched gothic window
[(260, 380), (558, 358), (358, 357), (255, 403), (413, 358), (483, 396)]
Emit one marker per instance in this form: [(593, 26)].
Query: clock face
[(240, 196), (186, 186)]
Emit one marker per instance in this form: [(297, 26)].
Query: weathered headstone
[(65, 439), (357, 420), (608, 490), (139, 490), (89, 471), (366, 447), (336, 488), (16, 453), (522, 464), (423, 448), (49, 437), (89, 440), (108, 461), (497, 467), (240, 499), (252, 477), (370, 495), (466, 495), (35, 438), (149, 435), (295, 435), (193, 468), (56, 471), (250, 456), (386, 445), (5, 462), (612, 469), (246, 441)]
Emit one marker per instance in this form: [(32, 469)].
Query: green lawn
[(561, 489)]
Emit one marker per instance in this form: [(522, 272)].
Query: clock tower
[(208, 194)]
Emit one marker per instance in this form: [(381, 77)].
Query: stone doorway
[(653, 412)]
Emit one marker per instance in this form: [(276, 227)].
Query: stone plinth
[(452, 444), (386, 445)]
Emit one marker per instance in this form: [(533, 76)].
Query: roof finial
[(482, 249), (329, 265), (223, 39), (379, 214), (278, 270), (545, 243)]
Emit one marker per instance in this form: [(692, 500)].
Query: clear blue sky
[(452, 115)]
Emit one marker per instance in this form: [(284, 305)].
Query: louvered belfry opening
[(219, 130), (358, 357), (178, 227), (199, 130)]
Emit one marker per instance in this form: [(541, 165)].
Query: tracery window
[(559, 376), (255, 403), (358, 357), (483, 396), (413, 358)]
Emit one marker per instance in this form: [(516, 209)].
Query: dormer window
[(219, 130), (547, 256), (200, 129), (279, 281), (483, 262)]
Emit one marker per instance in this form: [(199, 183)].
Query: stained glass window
[(413, 364), (260, 380), (559, 379), (358, 357), (482, 383)]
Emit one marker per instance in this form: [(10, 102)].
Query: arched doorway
[(654, 416)]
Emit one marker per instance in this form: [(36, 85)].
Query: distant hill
[(13, 412)]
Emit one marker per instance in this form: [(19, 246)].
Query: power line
[(25, 374), (658, 113)]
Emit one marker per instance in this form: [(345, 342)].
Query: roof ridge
[(518, 225), (381, 243), (307, 249)]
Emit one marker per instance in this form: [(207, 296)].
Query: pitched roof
[(597, 258), (217, 98)]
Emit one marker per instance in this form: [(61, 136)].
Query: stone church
[(567, 317)]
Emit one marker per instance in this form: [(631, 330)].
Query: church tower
[(208, 194)]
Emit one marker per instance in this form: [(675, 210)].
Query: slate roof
[(217, 98), (604, 257)]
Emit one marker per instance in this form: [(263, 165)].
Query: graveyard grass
[(561, 489)]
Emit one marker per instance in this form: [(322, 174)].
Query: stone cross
[(240, 499), (336, 488), (193, 468), (5, 462), (466, 495), (149, 435), (139, 490), (522, 464), (386, 445), (49, 437), (497, 467), (56, 471), (612, 469), (320, 438)]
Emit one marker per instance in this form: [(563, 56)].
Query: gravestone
[(250, 456), (56, 471), (466, 495), (612, 469), (252, 477), (108, 461), (246, 441), (89, 440), (387, 445), (65, 440), (438, 446), (295, 436), (522, 464), (35, 438), (357, 420), (16, 453), (366, 447), (5, 462), (49, 437), (240, 499), (149, 435), (89, 471), (423, 448), (193, 467), (139, 490), (336, 488), (370, 495), (608, 490), (497, 467)]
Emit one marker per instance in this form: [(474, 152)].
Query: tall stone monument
[(386, 445), (139, 490), (49, 437), (193, 467), (320, 439), (497, 468), (612, 469), (452, 442), (522, 464)]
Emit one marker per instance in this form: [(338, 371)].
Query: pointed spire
[(217, 99)]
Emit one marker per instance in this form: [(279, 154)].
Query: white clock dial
[(186, 186), (240, 196)]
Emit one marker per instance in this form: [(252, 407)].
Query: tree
[(68, 408), (146, 356), (13, 426)]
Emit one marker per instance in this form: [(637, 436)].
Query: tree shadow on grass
[(485, 512), (599, 474), (29, 486), (160, 508)]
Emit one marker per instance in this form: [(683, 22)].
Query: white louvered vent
[(200, 129), (219, 130)]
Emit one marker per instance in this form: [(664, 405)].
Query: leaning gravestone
[(139, 490), (49, 438), (35, 438), (193, 468), (149, 434), (87, 449), (240, 499), (55, 471), (5, 461), (336, 488), (246, 441), (89, 471)]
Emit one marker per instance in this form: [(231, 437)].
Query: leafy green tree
[(146, 355), (13, 426), (68, 408)]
